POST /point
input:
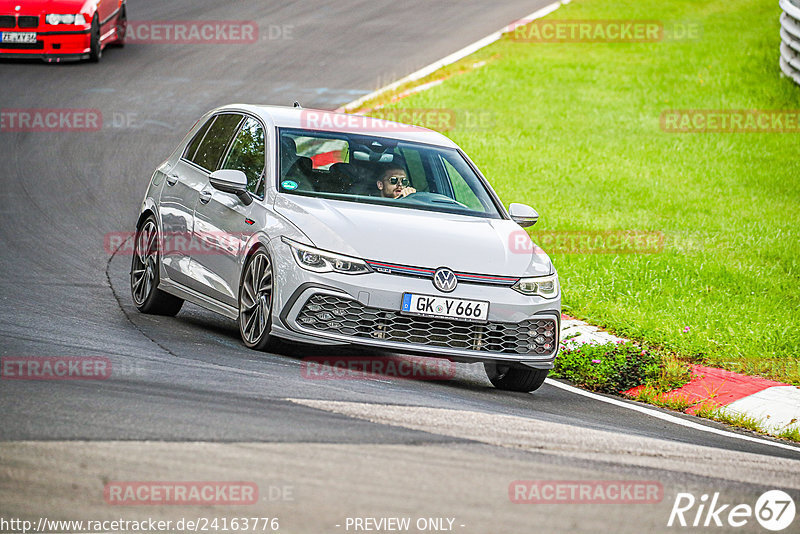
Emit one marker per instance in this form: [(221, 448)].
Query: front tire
[(144, 274), (255, 301), (510, 378), (95, 47)]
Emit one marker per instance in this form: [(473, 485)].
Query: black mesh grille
[(7, 21), (327, 313), (28, 22), (38, 45)]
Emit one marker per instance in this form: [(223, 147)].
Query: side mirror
[(231, 181), (523, 215)]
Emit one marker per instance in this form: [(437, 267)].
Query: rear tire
[(95, 47), (144, 274), (510, 378)]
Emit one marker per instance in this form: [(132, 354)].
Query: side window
[(462, 191), (416, 169), (247, 155), (197, 139), (216, 141)]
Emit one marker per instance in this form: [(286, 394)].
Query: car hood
[(415, 237), (38, 7)]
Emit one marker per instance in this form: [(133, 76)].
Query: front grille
[(7, 21), (38, 45), (343, 316), (28, 22)]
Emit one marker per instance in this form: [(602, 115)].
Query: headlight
[(64, 19), (544, 286), (321, 261)]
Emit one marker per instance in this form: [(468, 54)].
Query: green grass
[(791, 433), (617, 367), (574, 132), (651, 395), (716, 413), (610, 368)]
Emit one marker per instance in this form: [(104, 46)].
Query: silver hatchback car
[(327, 228)]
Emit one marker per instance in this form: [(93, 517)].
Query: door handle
[(205, 196), (172, 179)]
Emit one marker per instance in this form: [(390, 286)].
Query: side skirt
[(174, 288)]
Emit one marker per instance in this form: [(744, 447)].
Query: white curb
[(777, 408), (580, 333)]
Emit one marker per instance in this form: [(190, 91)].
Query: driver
[(393, 183)]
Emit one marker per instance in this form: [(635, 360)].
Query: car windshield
[(378, 170)]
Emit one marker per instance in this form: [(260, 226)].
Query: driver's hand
[(407, 191)]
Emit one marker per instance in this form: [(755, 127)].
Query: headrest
[(288, 145)]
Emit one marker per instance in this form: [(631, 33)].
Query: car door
[(221, 219), (181, 191)]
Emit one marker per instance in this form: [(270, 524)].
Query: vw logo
[(444, 279)]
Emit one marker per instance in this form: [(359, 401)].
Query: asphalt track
[(191, 400)]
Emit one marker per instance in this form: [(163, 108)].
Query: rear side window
[(197, 139), (323, 152), (247, 155), (216, 141)]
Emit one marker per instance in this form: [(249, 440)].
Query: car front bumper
[(364, 309), (50, 45)]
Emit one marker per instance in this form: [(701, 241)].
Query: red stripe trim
[(431, 271), (400, 267), (509, 279)]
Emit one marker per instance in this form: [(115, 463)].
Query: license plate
[(18, 37), (476, 311)]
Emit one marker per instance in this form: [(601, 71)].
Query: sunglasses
[(402, 179)]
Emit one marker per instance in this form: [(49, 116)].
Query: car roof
[(330, 121)]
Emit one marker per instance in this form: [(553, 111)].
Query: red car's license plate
[(18, 37)]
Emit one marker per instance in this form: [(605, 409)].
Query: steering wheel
[(426, 197)]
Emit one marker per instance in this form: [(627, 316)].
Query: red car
[(59, 30)]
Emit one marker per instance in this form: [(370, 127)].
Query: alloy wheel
[(145, 263), (255, 300)]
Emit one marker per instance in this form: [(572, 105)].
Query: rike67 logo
[(774, 510)]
